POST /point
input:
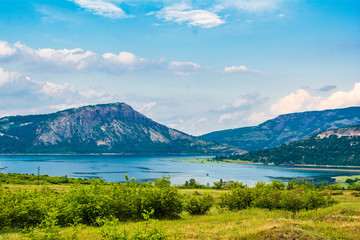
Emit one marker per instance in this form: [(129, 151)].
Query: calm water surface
[(113, 168)]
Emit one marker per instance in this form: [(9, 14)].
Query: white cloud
[(257, 118), (293, 102), (248, 100), (53, 89), (21, 95), (102, 8), (6, 49), (281, 15), (302, 100), (184, 14), (342, 98), (241, 69), (183, 68), (229, 116), (7, 77), (147, 106), (202, 120), (47, 59)]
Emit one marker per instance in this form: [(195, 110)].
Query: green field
[(338, 221), (341, 221)]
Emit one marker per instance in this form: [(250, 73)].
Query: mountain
[(332, 147), (286, 128), (106, 128)]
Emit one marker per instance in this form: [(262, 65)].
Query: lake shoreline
[(310, 167)]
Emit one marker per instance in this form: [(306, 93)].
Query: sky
[(196, 66)]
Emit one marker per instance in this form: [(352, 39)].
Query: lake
[(113, 168)]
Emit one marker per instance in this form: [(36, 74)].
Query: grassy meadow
[(337, 221)]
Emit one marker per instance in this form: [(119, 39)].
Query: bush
[(237, 199), (23, 208), (354, 187), (87, 203), (198, 205), (276, 195), (334, 187)]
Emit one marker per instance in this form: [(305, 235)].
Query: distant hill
[(331, 147), (106, 128), (286, 128)]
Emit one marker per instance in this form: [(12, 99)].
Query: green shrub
[(267, 195), (334, 187), (237, 199), (354, 187), (276, 195), (198, 205), (23, 208), (84, 204)]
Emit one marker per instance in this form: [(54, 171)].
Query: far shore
[(308, 167)]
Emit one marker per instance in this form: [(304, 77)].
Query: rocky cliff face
[(349, 132), (106, 128), (286, 128)]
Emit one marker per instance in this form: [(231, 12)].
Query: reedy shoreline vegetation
[(94, 209)]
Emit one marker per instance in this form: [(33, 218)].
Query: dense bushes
[(85, 204), (276, 195), (22, 208)]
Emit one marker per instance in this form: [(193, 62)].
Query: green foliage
[(198, 205), (23, 208), (355, 187), (334, 187), (239, 198), (276, 195), (27, 179), (86, 203), (150, 229)]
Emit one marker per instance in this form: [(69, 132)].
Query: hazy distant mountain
[(331, 147), (106, 128), (286, 128)]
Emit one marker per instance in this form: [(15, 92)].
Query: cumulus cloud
[(6, 50), (73, 59), (183, 68), (102, 8), (184, 14), (58, 60), (257, 118), (22, 95), (241, 69), (302, 100)]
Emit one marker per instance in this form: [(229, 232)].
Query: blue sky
[(197, 66)]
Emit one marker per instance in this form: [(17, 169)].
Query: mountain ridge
[(104, 128), (331, 147), (286, 128)]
